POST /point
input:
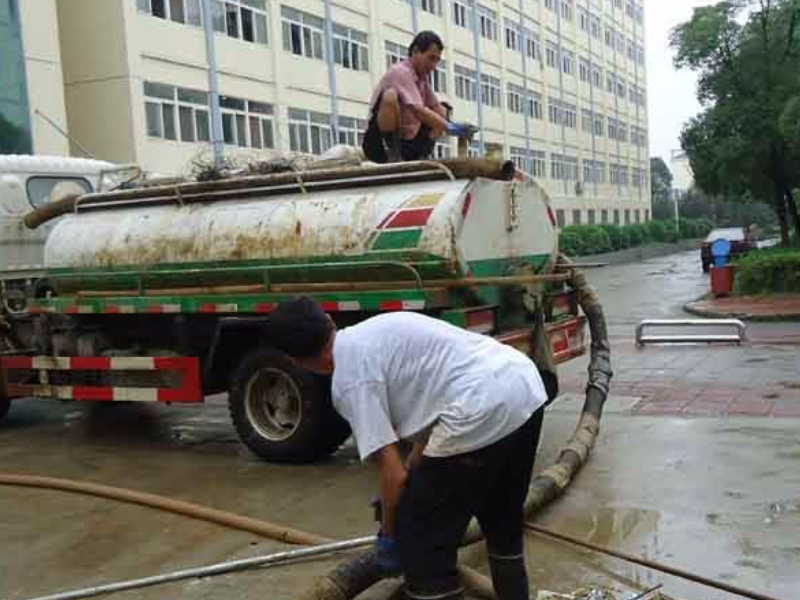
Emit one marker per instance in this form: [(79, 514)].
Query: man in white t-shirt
[(472, 409)]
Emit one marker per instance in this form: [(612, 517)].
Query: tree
[(661, 189), (748, 79), (13, 139)]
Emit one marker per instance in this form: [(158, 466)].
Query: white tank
[(471, 226)]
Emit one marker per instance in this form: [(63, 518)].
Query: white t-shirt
[(397, 374)]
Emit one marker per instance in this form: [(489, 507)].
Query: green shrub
[(597, 239), (570, 242), (765, 271), (635, 235), (657, 230), (614, 233)]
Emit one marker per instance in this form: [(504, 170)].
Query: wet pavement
[(716, 492)]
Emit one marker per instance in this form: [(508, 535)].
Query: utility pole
[(213, 85), (331, 72)]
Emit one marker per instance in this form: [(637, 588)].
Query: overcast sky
[(671, 94)]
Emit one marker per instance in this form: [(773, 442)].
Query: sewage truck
[(162, 293)]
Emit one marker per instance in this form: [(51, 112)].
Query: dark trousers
[(443, 494)]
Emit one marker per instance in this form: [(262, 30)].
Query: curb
[(711, 314)]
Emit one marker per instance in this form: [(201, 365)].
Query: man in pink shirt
[(406, 118)]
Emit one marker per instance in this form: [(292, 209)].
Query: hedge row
[(579, 240), (769, 270)]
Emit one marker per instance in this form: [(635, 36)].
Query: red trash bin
[(722, 280)]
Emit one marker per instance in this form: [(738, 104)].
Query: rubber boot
[(443, 588), (509, 578)]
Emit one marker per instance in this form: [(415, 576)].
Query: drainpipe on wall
[(477, 48), (213, 85), (523, 49), (331, 72)]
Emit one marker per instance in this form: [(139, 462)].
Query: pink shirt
[(412, 90)]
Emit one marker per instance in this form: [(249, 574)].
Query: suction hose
[(354, 576), (270, 530)]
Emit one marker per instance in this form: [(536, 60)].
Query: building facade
[(558, 86), (32, 108)]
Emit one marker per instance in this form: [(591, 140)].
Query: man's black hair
[(299, 327), (424, 40)]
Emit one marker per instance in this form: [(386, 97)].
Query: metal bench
[(738, 337)]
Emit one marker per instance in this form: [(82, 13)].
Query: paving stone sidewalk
[(779, 307), (702, 401)]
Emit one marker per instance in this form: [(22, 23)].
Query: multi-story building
[(558, 86), (32, 109)]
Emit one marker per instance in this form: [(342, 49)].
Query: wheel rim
[(273, 404)]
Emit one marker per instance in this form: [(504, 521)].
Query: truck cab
[(28, 182)]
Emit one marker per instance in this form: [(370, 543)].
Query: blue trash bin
[(721, 252)]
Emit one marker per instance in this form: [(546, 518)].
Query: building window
[(191, 124), (487, 22), (594, 171), (584, 70), (646, 215), (566, 9), (490, 90), (594, 27), (350, 48), (619, 175), (604, 217), (466, 83), (438, 78), (302, 33), (563, 168), (576, 217), (551, 55), (637, 216), (350, 131), (590, 216), (309, 131), (562, 113), (432, 6), (180, 11), (583, 19), (616, 216), (599, 124), (597, 76), (608, 37), (513, 36), (551, 4), (560, 219), (442, 150), (567, 62), (247, 123), (460, 14), (532, 162), (394, 53), (627, 216), (586, 120)]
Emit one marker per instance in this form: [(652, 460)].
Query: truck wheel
[(283, 413)]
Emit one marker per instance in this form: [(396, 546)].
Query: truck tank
[(448, 228)]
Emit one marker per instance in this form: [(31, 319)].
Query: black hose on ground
[(356, 575)]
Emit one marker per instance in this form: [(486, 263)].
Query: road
[(644, 491)]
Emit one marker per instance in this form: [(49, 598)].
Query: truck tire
[(283, 413), (5, 403)]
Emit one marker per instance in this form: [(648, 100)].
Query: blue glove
[(386, 555), (460, 129)]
